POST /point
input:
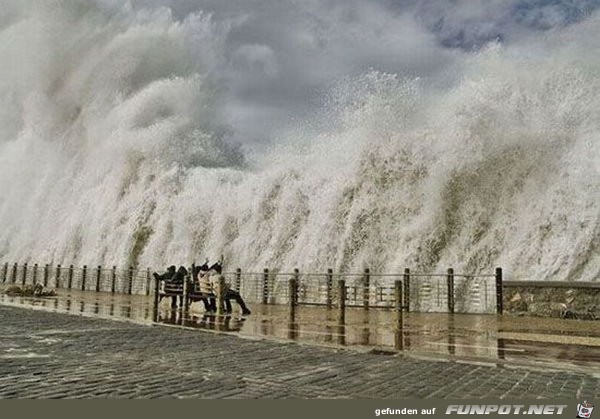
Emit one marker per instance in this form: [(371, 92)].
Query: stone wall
[(564, 300)]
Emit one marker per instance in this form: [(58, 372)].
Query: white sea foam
[(113, 150)]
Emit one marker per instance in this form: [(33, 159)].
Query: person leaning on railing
[(168, 276), (201, 274), (209, 285), (229, 295)]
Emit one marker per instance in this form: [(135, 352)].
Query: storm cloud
[(280, 57)]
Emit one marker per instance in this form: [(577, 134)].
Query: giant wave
[(114, 150)]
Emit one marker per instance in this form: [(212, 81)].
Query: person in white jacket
[(209, 284), (205, 283)]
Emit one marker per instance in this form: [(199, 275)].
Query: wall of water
[(114, 150)]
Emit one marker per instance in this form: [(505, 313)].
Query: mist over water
[(122, 142)]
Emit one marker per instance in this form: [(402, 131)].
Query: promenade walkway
[(46, 354)]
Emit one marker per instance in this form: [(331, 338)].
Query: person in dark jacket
[(169, 276), (180, 275), (234, 295), (228, 293)]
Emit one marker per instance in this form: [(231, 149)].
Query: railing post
[(296, 285), (398, 299), (35, 268), (5, 272), (57, 277), (148, 281), (292, 325), (265, 293), (329, 286), (156, 296), (366, 286), (398, 295), (24, 276), (221, 295), (341, 298), (192, 270), (46, 274), (293, 288), (98, 274), (14, 273), (70, 283), (450, 281), (406, 280), (291, 293), (238, 279), (499, 301), (113, 279), (130, 286), (186, 291), (83, 277)]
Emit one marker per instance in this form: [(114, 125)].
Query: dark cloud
[(470, 24), (279, 55)]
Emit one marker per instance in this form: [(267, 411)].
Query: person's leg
[(213, 303), (238, 298), (227, 304), (206, 303)]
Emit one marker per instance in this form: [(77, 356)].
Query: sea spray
[(114, 151)]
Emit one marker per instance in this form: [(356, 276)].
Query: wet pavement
[(55, 355), (538, 342)]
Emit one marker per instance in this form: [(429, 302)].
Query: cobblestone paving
[(49, 355)]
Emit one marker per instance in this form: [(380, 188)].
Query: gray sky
[(280, 56)]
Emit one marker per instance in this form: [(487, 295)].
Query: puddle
[(552, 342)]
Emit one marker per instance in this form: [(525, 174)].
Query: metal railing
[(422, 292), (448, 292), (99, 279)]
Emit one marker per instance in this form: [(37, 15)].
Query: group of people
[(206, 277)]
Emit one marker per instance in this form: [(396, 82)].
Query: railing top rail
[(353, 274), (550, 284), (142, 272)]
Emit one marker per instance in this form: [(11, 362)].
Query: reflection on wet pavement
[(548, 342), (103, 305)]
